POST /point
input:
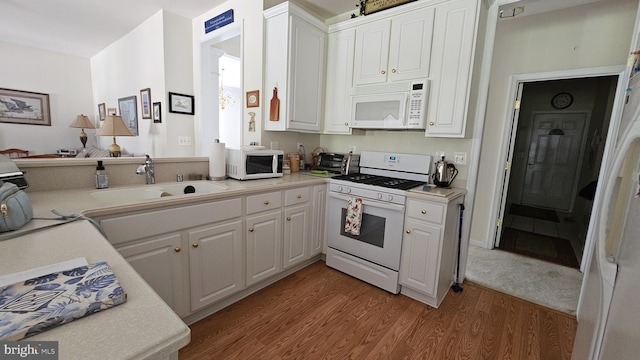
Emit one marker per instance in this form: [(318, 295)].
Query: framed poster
[(181, 103), (129, 112), (102, 111), (24, 107), (145, 103), (373, 6), (253, 98), (157, 112)]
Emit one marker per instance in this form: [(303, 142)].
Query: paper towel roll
[(217, 169)]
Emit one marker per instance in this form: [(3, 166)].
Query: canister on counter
[(294, 159)]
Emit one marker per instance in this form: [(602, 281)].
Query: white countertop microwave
[(400, 105), (248, 163)]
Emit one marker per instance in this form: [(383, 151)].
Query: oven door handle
[(378, 204)]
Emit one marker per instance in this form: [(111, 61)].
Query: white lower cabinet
[(160, 260), (427, 266), (198, 255), (215, 263)]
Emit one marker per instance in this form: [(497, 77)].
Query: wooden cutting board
[(274, 111)]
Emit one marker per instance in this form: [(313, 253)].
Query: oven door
[(380, 239)]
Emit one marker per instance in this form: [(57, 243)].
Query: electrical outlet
[(298, 145), (460, 158), (184, 140), (352, 149), (439, 155)]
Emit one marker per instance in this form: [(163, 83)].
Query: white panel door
[(372, 53), (410, 46), (337, 111), (296, 235), (264, 239), (420, 256)]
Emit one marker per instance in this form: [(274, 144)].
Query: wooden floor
[(320, 313)]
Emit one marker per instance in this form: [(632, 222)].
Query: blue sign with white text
[(219, 21)]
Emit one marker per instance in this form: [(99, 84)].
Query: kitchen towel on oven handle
[(353, 221)]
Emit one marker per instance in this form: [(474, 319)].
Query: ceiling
[(84, 28)]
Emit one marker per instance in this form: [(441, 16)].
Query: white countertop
[(144, 327)]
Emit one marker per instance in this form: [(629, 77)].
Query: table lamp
[(114, 126), (82, 122)]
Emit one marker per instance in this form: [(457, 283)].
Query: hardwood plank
[(320, 313)]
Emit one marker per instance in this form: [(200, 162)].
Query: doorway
[(556, 146)]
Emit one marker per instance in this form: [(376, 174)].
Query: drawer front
[(296, 196), (263, 202), (425, 211)]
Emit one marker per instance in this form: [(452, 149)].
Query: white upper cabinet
[(394, 49), (339, 81), (451, 65), (295, 50)]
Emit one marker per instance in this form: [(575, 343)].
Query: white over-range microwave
[(248, 163), (398, 105)]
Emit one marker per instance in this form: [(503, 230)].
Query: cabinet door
[(372, 53), (296, 235), (263, 246), (337, 111), (420, 257), (159, 261), (276, 53), (319, 203), (454, 33), (410, 46), (306, 86), (215, 263)]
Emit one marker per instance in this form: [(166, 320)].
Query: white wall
[(592, 35), (67, 80), (155, 55)]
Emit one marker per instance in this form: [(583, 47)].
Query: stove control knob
[(339, 188), (379, 196), (347, 190), (389, 197)]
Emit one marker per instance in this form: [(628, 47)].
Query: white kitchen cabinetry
[(427, 267), (451, 68), (339, 82), (264, 236), (319, 204), (394, 49), (215, 262), (295, 50), (160, 260), (296, 226)]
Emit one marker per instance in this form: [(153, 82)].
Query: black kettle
[(444, 174)]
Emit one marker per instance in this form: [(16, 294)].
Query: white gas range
[(374, 254)]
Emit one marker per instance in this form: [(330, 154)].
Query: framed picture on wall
[(129, 112), (102, 111), (24, 107), (181, 104), (145, 103), (157, 112)]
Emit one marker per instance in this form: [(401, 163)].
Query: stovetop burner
[(383, 181)]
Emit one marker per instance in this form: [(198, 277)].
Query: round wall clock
[(562, 100)]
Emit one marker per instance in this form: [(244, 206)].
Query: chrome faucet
[(147, 170)]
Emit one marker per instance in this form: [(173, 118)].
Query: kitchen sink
[(134, 194)]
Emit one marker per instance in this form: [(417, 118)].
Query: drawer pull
[(251, 230), (288, 218), (408, 231), (299, 196), (383, 72), (424, 211), (432, 123), (393, 71), (177, 249), (195, 245), (266, 202), (346, 124)]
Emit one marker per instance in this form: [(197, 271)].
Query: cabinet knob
[(266, 202), (195, 245), (250, 229), (288, 218), (393, 71), (424, 211), (431, 123), (346, 124), (177, 249), (408, 231), (383, 72), (299, 196)]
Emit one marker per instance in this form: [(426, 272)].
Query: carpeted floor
[(533, 212), (547, 248), (541, 282)]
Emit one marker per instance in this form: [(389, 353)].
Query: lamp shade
[(114, 126), (82, 122)]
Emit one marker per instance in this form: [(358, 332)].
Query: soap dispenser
[(102, 181)]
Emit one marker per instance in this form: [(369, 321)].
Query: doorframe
[(614, 123)]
